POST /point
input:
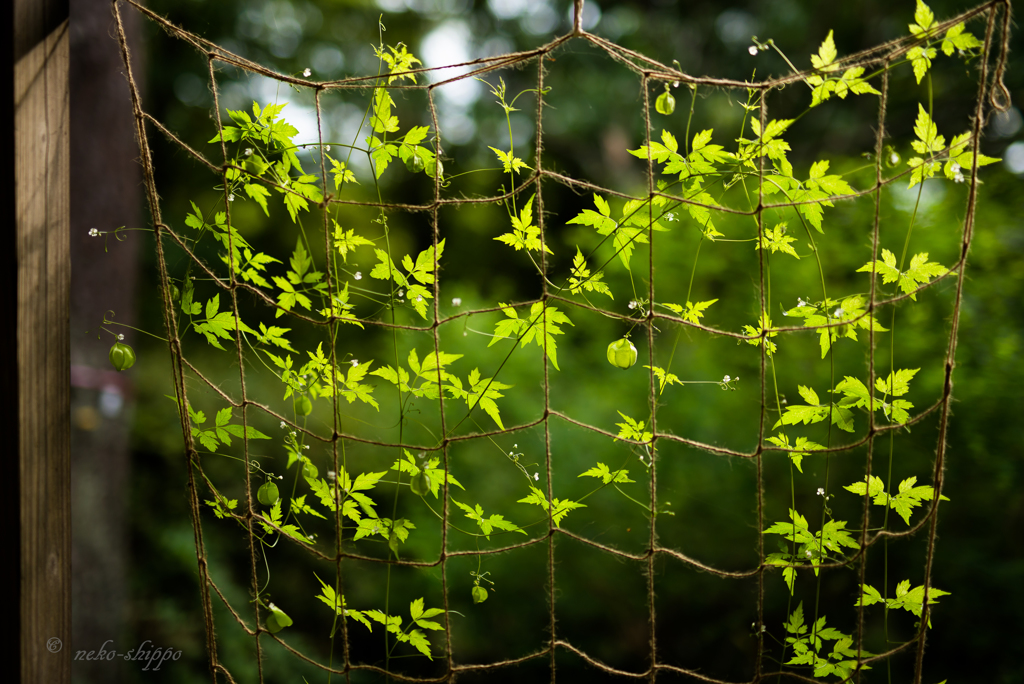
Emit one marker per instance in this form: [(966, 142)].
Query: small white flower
[(358, 275), (94, 232), (955, 168), (894, 159), (959, 177), (331, 475), (248, 151), (838, 313), (307, 72), (807, 553), (419, 298), (515, 446), (311, 537), (726, 379), (354, 362), (328, 148), (231, 197), (282, 423), (401, 292), (306, 447), (800, 302), (752, 49), (821, 491), (536, 477), (632, 304), (456, 301), (511, 454), (292, 433), (120, 338)]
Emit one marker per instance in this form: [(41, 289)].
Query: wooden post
[(35, 376)]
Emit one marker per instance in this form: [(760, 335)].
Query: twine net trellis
[(346, 558)]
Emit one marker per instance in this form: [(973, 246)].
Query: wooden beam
[(39, 382)]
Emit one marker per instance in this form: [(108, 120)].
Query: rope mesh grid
[(650, 74)]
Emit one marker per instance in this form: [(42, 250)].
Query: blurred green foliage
[(591, 120)]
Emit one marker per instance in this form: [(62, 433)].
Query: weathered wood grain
[(41, 159)]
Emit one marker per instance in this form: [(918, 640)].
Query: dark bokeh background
[(593, 115)]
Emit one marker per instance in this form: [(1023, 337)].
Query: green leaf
[(559, 508), (435, 475), (898, 382), (928, 139), (959, 39), (603, 473), (524, 234), (219, 324), (581, 279), (664, 378), (511, 164), (826, 55), (777, 240), (633, 429), (385, 269), (482, 391), (541, 328), (924, 19), (490, 523), (381, 120), (755, 334), (910, 497), (803, 446), (342, 174), (600, 220), (870, 595), (921, 59), (260, 194), (874, 488), (382, 153), (693, 312), (399, 60)]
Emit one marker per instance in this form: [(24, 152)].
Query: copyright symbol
[(53, 644)]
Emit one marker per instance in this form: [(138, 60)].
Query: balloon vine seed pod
[(622, 353), (665, 104), (420, 484), (122, 357), (268, 494)]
